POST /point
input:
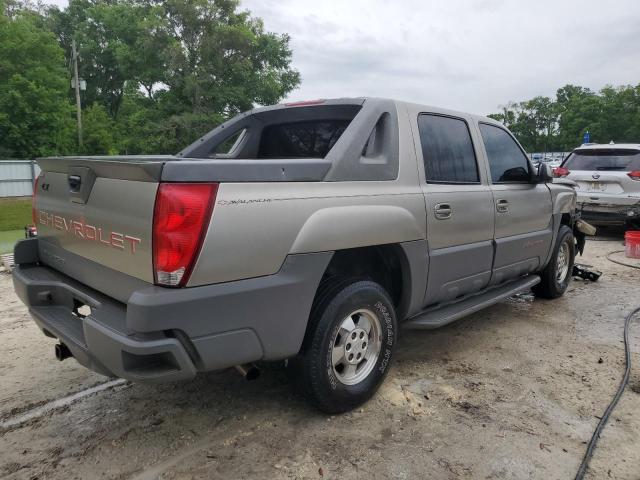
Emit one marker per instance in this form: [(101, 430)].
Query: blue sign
[(586, 138)]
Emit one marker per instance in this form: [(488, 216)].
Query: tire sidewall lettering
[(388, 339), (333, 380), (389, 333)]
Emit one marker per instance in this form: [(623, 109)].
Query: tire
[(342, 362), (558, 272)]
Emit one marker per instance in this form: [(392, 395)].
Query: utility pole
[(76, 83)]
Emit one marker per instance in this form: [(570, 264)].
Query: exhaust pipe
[(62, 351), (248, 371)]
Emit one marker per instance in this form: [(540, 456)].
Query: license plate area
[(596, 187)]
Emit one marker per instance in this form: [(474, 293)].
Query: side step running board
[(439, 316)]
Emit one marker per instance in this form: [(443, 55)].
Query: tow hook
[(62, 351), (248, 371)]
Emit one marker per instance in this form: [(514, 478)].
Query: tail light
[(560, 172), (635, 175), (180, 218), (34, 212)]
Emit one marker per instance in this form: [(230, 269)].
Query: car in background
[(554, 163), (608, 182)]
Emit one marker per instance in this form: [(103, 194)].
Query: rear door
[(459, 208), (523, 227)]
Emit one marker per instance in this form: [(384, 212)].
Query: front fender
[(564, 200)]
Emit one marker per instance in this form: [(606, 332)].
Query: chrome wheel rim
[(562, 264), (356, 346)]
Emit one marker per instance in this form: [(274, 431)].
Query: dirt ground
[(511, 392)]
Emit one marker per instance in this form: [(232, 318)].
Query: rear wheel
[(557, 274), (348, 346)]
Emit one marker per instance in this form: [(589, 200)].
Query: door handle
[(443, 211), (502, 206)]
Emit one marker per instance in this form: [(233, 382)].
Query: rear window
[(624, 160), (309, 139)]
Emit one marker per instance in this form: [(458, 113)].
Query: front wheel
[(557, 274), (349, 345)]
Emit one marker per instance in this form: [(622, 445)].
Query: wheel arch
[(339, 228), (400, 268)]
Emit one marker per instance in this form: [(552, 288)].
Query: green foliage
[(228, 62), (544, 124), (97, 132), (150, 127), (159, 73), (35, 115)]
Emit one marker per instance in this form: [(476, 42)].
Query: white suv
[(608, 178)]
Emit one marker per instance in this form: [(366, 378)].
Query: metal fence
[(17, 177), (548, 156)]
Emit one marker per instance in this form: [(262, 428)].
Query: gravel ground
[(511, 392)]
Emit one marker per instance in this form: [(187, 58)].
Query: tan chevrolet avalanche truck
[(308, 232)]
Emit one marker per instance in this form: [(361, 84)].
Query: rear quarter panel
[(255, 226)]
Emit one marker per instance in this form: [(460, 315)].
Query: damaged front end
[(580, 231)]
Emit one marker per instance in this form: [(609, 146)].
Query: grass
[(15, 213), (9, 238)]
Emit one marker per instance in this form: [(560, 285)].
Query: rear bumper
[(164, 334), (602, 213)]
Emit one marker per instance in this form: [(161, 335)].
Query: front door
[(459, 209), (523, 226)]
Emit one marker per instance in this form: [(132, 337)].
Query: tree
[(167, 71), (119, 41), (98, 131), (35, 115), (228, 62), (543, 124), (148, 126)]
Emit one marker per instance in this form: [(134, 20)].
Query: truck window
[(308, 139), (447, 150), (230, 145), (507, 162)]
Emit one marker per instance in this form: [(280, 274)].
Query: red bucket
[(632, 244)]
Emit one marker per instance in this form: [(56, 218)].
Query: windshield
[(624, 160)]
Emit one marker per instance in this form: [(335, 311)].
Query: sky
[(469, 55)]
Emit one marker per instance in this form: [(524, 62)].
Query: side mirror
[(542, 174)]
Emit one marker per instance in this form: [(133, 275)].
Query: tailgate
[(99, 209), (611, 183)]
